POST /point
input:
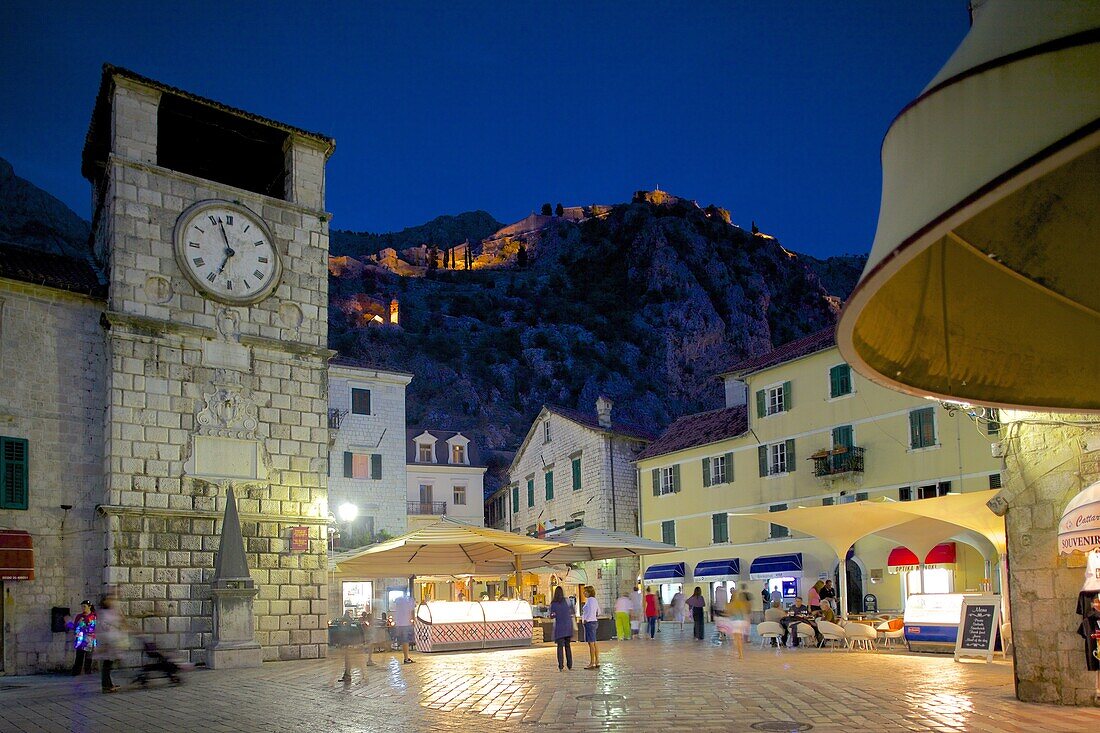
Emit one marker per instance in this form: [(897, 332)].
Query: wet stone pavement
[(673, 682)]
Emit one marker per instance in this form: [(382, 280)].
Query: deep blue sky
[(772, 110)]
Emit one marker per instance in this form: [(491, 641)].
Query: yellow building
[(802, 429)]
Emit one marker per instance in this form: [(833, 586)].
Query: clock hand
[(228, 250)]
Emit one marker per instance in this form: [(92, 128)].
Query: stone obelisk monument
[(233, 644)]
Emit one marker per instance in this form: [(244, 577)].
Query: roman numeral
[(228, 284), (211, 277), (229, 219), (263, 260), (193, 244), (259, 242), (247, 227), (213, 221), (201, 231), (199, 261), (259, 275), (247, 286)]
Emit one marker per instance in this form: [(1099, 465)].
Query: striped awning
[(16, 555), (776, 566), (902, 559), (673, 572), (718, 570)]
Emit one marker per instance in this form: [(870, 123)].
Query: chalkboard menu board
[(980, 619)]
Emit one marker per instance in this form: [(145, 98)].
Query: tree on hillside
[(433, 257), (559, 210), (547, 210), (521, 256)]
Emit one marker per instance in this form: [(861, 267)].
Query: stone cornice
[(138, 511), (154, 326), (293, 347)]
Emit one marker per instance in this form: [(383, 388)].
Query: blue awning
[(776, 566), (673, 572), (718, 570)]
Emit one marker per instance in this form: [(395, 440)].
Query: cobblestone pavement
[(671, 683)]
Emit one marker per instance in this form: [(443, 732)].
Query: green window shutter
[(14, 473), (790, 455), (515, 499), (549, 485), (706, 472), (843, 436), (834, 382), (347, 464), (729, 468), (576, 474), (530, 492), (760, 403), (656, 482), (376, 466), (763, 453), (676, 478), (787, 402), (714, 528)]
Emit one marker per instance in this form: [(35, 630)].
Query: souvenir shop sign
[(1079, 528), (978, 625)]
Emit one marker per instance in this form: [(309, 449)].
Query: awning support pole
[(842, 591)]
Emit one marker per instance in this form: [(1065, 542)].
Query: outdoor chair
[(806, 636), (769, 630), (860, 635), (831, 632), (889, 634)]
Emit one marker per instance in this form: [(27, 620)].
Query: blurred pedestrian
[(622, 617), (590, 614), (111, 639), (562, 613), (637, 611), (403, 609), (652, 613), (83, 628), (697, 603), (679, 609)]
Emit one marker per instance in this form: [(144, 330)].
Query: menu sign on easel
[(978, 624)]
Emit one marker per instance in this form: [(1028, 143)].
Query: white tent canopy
[(583, 544)]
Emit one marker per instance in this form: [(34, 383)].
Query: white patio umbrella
[(980, 285)]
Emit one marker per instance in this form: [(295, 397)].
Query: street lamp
[(348, 512)]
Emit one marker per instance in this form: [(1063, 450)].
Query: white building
[(446, 476), (576, 466), (367, 447)]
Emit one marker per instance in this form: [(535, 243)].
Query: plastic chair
[(831, 632), (1006, 640), (888, 635), (860, 635), (806, 635), (769, 630)]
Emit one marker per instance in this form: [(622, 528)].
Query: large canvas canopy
[(589, 543)]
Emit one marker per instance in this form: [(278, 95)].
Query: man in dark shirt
[(799, 614)]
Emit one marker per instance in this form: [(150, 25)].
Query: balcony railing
[(335, 418), (838, 461), (426, 507)]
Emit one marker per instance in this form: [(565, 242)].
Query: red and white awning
[(902, 559)]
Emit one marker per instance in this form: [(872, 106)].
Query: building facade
[(446, 476), (801, 429), (367, 453), (575, 466)]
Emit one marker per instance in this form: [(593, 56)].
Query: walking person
[(403, 623), (718, 608), (679, 609), (697, 603), (111, 638), (622, 617), (562, 613), (637, 611), (83, 628), (590, 613), (652, 612), (766, 595)]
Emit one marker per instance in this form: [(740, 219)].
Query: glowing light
[(348, 512)]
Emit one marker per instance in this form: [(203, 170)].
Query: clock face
[(226, 251)]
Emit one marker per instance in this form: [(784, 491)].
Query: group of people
[(101, 632), (561, 610), (632, 610)]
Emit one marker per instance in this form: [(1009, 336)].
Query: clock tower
[(209, 222)]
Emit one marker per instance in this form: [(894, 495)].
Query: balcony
[(425, 507), (335, 418), (837, 462)]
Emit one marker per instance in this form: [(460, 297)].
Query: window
[(424, 453), (530, 491), (840, 381), (362, 465), (843, 437), (994, 480), (576, 473), (360, 401), (668, 532), (666, 480), (719, 526), (546, 432), (718, 470), (771, 400), (828, 501), (515, 499), (460, 495), (922, 428), (425, 494), (458, 454), (14, 473), (778, 530), (548, 478), (776, 458), (905, 493), (933, 490), (993, 427)]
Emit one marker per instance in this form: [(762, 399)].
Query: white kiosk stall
[(444, 626)]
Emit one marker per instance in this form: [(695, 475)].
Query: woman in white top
[(679, 609), (590, 617)]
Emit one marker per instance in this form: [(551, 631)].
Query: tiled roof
[(441, 455), (591, 420), (819, 341), (701, 428), (51, 270)]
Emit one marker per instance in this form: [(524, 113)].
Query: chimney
[(603, 411), (737, 392)]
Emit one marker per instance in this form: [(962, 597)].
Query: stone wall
[(53, 357), (1048, 460)]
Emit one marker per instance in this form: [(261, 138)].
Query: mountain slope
[(33, 218), (471, 225)]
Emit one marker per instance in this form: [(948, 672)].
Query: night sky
[(773, 110)]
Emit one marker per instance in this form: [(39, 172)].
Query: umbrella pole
[(519, 577), (842, 591)]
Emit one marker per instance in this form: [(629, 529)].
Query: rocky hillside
[(33, 218), (646, 304), (471, 225)]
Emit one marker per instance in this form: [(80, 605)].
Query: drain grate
[(601, 697), (781, 726)]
